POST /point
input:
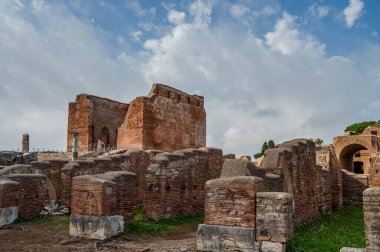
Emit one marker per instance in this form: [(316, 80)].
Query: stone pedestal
[(96, 227)]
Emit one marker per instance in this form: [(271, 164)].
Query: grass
[(332, 232), (61, 222), (166, 226)]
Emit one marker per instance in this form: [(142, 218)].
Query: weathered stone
[(371, 206), (267, 246), (221, 238), (8, 215), (96, 227), (346, 249), (274, 216)]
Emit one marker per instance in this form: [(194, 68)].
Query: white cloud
[(375, 34), (353, 11), (287, 39), (279, 87), (238, 10), (176, 17), (136, 35), (267, 11), (319, 10)]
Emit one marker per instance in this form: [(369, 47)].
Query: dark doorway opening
[(358, 167), (105, 135)]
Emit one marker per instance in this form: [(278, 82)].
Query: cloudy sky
[(268, 69)]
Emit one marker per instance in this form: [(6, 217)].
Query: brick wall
[(175, 181), (89, 114), (327, 159), (168, 119), (295, 162), (231, 201), (353, 187), (33, 193), (374, 173), (9, 192)]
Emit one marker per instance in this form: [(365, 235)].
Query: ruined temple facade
[(167, 119)]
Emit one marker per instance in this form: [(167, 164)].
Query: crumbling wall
[(175, 181), (295, 162), (34, 193), (52, 169), (168, 119), (46, 156), (353, 187), (374, 172), (88, 115), (327, 158), (9, 199), (244, 167)]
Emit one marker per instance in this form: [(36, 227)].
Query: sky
[(268, 69)]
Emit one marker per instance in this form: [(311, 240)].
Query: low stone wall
[(353, 187), (45, 156)]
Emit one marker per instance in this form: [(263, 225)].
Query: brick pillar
[(230, 215), (371, 205), (9, 197)]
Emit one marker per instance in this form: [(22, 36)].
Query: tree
[(359, 127), (266, 145), (318, 141)]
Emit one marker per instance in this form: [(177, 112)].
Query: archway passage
[(355, 158), (104, 135)]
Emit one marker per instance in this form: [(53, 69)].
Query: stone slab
[(8, 215), (222, 238), (96, 227), (346, 249), (267, 246)]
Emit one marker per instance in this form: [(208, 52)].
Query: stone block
[(221, 238), (346, 249), (274, 216), (8, 215), (267, 246), (96, 227)]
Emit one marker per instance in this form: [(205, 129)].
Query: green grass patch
[(344, 228), (166, 226), (61, 222)]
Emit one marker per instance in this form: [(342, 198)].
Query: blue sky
[(268, 69)]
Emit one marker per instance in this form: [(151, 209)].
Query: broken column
[(101, 203), (9, 195), (75, 145), (371, 206), (25, 143), (230, 215)]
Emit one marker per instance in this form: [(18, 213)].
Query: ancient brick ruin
[(167, 119), (163, 167)]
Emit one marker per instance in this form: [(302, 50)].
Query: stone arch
[(104, 135), (346, 157)]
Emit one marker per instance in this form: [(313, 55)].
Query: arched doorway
[(105, 135), (355, 158)]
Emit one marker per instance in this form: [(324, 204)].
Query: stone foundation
[(222, 238), (371, 205), (96, 227)]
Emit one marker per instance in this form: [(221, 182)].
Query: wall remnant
[(9, 200), (167, 119), (236, 217), (371, 205)]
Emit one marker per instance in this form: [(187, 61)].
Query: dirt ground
[(50, 236)]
